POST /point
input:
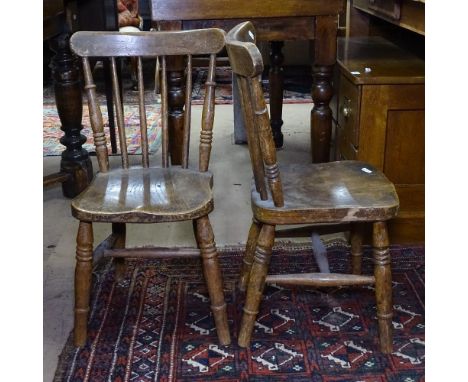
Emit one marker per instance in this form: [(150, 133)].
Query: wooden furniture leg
[(248, 258), (213, 277), (276, 91), (83, 270), (75, 159), (383, 285), (256, 284), (120, 230), (322, 91), (356, 248)]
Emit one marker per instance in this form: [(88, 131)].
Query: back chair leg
[(119, 229), (356, 248), (213, 277), (256, 283), (383, 285), (83, 270), (247, 260)]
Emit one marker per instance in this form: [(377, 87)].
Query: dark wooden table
[(275, 21)]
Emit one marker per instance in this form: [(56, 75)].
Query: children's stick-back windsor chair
[(147, 193), (322, 194)]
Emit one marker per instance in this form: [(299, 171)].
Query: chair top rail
[(246, 59), (147, 44)]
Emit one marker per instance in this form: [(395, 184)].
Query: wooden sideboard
[(379, 117)]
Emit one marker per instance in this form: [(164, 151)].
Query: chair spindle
[(143, 124), (252, 136), (119, 112), (267, 144), (96, 118), (164, 114), (188, 114), (206, 134)]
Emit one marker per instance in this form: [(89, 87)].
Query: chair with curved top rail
[(346, 192), (147, 193)]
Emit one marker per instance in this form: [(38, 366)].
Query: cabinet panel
[(404, 128)]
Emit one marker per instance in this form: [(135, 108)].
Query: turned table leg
[(75, 159), (176, 101), (322, 91), (276, 91)]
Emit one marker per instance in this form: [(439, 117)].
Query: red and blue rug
[(156, 325)]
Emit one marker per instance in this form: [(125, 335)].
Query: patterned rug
[(156, 325), (52, 132)]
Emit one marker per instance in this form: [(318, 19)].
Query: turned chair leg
[(83, 271), (383, 285), (119, 229), (356, 248), (213, 278), (256, 283), (247, 260)]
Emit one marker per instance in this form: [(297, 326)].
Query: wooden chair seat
[(148, 195), (335, 192)]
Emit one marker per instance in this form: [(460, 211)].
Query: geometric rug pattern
[(156, 324)]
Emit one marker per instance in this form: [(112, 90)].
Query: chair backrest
[(112, 45), (246, 62)]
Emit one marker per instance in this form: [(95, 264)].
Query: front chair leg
[(256, 283), (247, 260), (83, 270), (383, 285), (213, 278), (119, 230)]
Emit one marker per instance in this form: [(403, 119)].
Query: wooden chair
[(147, 194), (322, 194)]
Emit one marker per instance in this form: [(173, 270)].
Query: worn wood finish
[(147, 44), (249, 253), (383, 285), (320, 279), (83, 269), (147, 194), (152, 252), (218, 9), (139, 195), (346, 193), (256, 283), (356, 236), (252, 137), (330, 193), (267, 145), (213, 278)]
